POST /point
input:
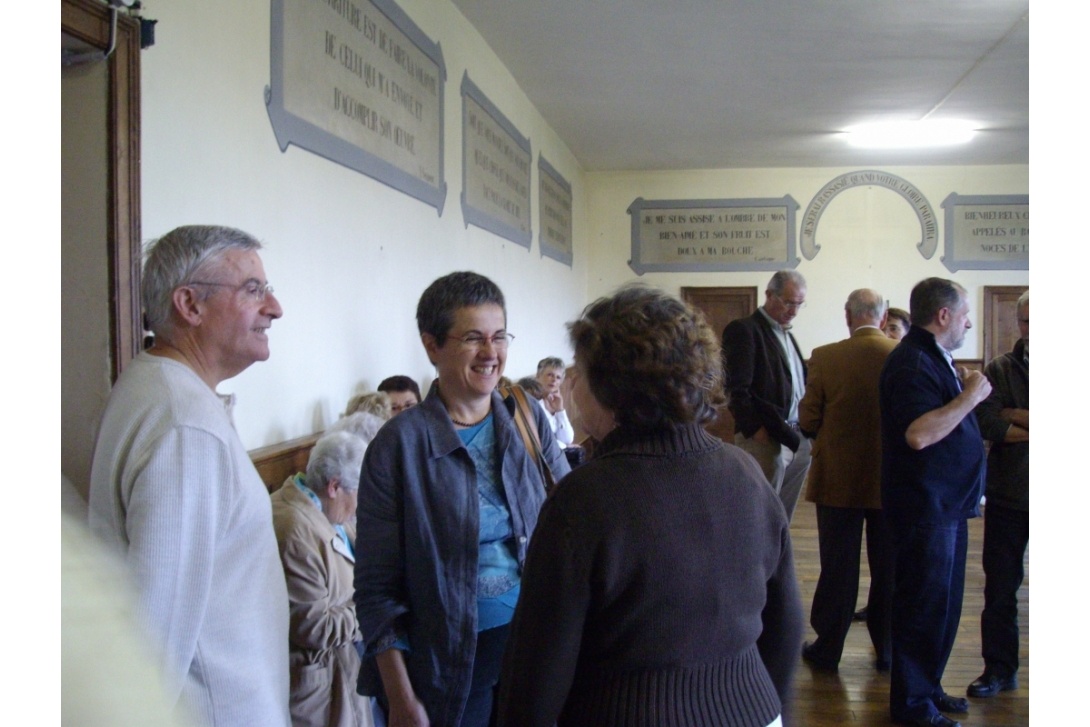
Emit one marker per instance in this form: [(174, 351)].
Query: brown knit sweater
[(659, 589)]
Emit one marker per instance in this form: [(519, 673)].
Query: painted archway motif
[(929, 228)]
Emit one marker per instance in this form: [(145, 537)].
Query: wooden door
[(1000, 319), (100, 219), (721, 306)]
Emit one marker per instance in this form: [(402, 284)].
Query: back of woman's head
[(649, 358)]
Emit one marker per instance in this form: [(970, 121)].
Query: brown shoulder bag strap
[(527, 426)]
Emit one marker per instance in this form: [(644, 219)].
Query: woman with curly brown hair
[(659, 587)]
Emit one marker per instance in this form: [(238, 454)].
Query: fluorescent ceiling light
[(910, 134)]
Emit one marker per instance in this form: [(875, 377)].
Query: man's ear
[(882, 321), (187, 305), (431, 346), (943, 317)]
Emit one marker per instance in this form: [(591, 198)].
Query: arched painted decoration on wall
[(929, 228)]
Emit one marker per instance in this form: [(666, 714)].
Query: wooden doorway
[(1000, 319), (721, 305), (100, 218)]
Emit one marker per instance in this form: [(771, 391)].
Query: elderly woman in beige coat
[(310, 514)]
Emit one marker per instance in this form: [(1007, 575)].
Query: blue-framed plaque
[(986, 232), (713, 235), (554, 201), (496, 162), (357, 82)]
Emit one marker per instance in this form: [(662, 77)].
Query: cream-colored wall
[(867, 236), (348, 255)]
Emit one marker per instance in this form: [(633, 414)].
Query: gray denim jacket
[(416, 544)]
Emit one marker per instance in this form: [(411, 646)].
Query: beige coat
[(841, 407), (322, 658)]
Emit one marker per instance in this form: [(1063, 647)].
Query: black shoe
[(882, 665), (935, 720), (989, 685), (816, 662), (860, 615), (955, 705)]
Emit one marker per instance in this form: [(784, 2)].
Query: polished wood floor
[(859, 695)]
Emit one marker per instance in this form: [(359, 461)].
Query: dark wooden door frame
[(88, 21), (745, 298), (998, 298)]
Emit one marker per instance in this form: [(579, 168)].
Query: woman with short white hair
[(314, 519)]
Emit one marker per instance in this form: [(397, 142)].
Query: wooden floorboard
[(859, 695)]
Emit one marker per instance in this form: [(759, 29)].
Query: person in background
[(312, 515), (362, 424), (766, 378), (896, 326), (840, 411), (174, 490), (625, 618), (372, 402), (532, 387), (403, 393), (550, 374), (1004, 421), (932, 481), (897, 323), (448, 499)]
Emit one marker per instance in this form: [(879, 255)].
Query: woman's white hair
[(337, 455)]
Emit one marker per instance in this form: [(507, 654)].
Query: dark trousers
[(486, 675), (1006, 534), (929, 585), (840, 532), (480, 705)]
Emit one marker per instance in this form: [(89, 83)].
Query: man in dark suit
[(766, 378), (932, 481), (840, 410)]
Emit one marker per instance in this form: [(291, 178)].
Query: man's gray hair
[(865, 304), (183, 255), (362, 424), (781, 278), (336, 455), (1023, 300)]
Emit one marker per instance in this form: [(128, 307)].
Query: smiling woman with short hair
[(448, 499)]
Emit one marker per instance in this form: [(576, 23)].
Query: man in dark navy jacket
[(765, 375), (932, 481)]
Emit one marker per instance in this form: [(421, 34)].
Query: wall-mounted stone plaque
[(986, 232), (929, 227), (712, 235), (495, 169), (357, 82), (554, 224)]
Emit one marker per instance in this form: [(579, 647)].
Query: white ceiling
[(702, 84)]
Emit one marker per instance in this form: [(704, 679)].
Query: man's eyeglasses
[(475, 341), (253, 288), (790, 304)]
